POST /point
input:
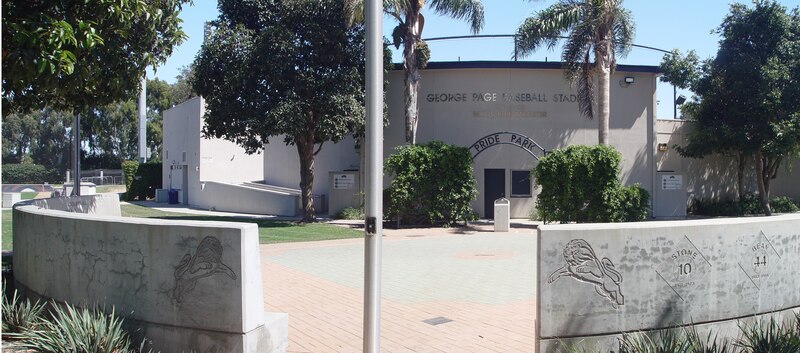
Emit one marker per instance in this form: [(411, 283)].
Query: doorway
[(185, 185), (494, 187)]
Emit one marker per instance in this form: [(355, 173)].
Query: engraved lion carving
[(583, 265), (207, 261)]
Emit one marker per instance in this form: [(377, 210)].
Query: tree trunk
[(763, 183), (412, 75), (740, 176), (305, 150), (603, 102)]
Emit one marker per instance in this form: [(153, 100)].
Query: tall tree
[(182, 90), (290, 68), (749, 93), (68, 54), (596, 29), (408, 33)]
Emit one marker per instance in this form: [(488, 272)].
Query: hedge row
[(141, 180), (27, 173)]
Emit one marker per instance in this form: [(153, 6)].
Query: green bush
[(580, 184), (141, 180), (73, 329), (350, 213), (432, 183), (19, 314), (749, 205), (27, 173), (783, 204)]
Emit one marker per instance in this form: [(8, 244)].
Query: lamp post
[(373, 229)]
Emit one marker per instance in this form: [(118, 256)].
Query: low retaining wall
[(238, 198), (189, 285), (597, 281)]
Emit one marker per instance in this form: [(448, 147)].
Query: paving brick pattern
[(481, 281)]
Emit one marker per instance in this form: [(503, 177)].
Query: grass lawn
[(269, 231), (6, 229)]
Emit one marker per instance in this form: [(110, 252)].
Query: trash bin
[(173, 196), (502, 215)]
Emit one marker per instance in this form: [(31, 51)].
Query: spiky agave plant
[(79, 330), (769, 336), (20, 314)]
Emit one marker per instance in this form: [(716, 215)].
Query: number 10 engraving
[(685, 269)]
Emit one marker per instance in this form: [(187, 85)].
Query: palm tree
[(408, 32), (601, 29)]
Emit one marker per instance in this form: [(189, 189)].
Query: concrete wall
[(101, 205), (239, 198), (190, 286), (598, 280)]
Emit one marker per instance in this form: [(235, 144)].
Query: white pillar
[(143, 121)]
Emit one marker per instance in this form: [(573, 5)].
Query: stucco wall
[(596, 281), (481, 111), (205, 159), (189, 285), (714, 177)]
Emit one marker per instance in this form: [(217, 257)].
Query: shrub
[(432, 183), (20, 314), (580, 184), (350, 213), (783, 204), (749, 205), (78, 330), (634, 203), (141, 180), (27, 173)]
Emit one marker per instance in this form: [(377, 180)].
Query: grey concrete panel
[(727, 329), (189, 277), (245, 199), (599, 279)]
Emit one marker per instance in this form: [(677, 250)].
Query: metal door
[(494, 187)]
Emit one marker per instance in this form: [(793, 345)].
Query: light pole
[(373, 229)]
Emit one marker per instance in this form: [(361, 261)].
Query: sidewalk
[(442, 291)]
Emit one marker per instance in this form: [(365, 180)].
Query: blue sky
[(666, 24)]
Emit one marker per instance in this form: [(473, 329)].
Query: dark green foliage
[(749, 205), (68, 54), (141, 180), (101, 161), (634, 203), (432, 183), (293, 69), (26, 173), (129, 169), (580, 184), (350, 213)]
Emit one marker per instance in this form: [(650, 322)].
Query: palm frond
[(471, 10), (354, 9), (586, 95), (547, 25), (623, 29)]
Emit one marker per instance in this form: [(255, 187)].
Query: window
[(520, 183)]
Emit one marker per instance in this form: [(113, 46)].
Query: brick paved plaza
[(480, 280)]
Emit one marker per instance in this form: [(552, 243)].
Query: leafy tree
[(291, 68), (77, 54), (685, 71), (182, 89), (598, 29), (749, 96), (408, 33)]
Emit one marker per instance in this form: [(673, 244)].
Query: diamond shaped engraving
[(685, 268), (759, 259)]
